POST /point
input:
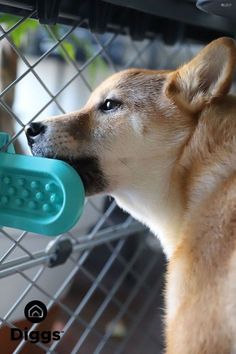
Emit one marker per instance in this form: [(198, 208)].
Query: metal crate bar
[(43, 257)]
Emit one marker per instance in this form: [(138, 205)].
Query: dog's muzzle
[(88, 167)]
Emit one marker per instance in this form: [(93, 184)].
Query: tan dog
[(163, 143)]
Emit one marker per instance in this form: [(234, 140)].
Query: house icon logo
[(35, 311)]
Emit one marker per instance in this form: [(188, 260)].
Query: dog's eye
[(109, 105)]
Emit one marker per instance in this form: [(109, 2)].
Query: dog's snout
[(34, 129)]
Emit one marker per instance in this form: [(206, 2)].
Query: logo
[(35, 311)]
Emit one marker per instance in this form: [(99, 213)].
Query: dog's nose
[(34, 129)]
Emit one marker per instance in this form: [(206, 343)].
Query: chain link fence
[(106, 297)]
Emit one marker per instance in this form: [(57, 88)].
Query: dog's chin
[(91, 174), (88, 168)]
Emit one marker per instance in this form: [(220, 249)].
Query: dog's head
[(136, 120)]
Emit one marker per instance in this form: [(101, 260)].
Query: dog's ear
[(205, 77)]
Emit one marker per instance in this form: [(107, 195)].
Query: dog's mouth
[(88, 167), (90, 172)]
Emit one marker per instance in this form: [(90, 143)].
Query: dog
[(163, 144)]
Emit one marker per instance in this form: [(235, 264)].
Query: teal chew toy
[(38, 194)]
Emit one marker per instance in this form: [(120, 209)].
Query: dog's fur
[(167, 153)]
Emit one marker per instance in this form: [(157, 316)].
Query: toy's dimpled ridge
[(21, 181), (6, 180), (42, 197)]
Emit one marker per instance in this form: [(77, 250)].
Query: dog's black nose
[(34, 129)]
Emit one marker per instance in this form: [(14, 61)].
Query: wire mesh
[(106, 297)]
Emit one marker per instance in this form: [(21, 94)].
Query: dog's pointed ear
[(205, 77)]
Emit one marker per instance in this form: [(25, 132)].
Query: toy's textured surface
[(38, 194)]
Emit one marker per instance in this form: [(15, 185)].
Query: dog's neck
[(162, 206), (156, 203)]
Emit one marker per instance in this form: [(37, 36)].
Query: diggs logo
[(35, 336), (35, 311)]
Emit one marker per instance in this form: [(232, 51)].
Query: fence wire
[(106, 297)]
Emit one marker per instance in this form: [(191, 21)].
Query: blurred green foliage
[(20, 35)]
